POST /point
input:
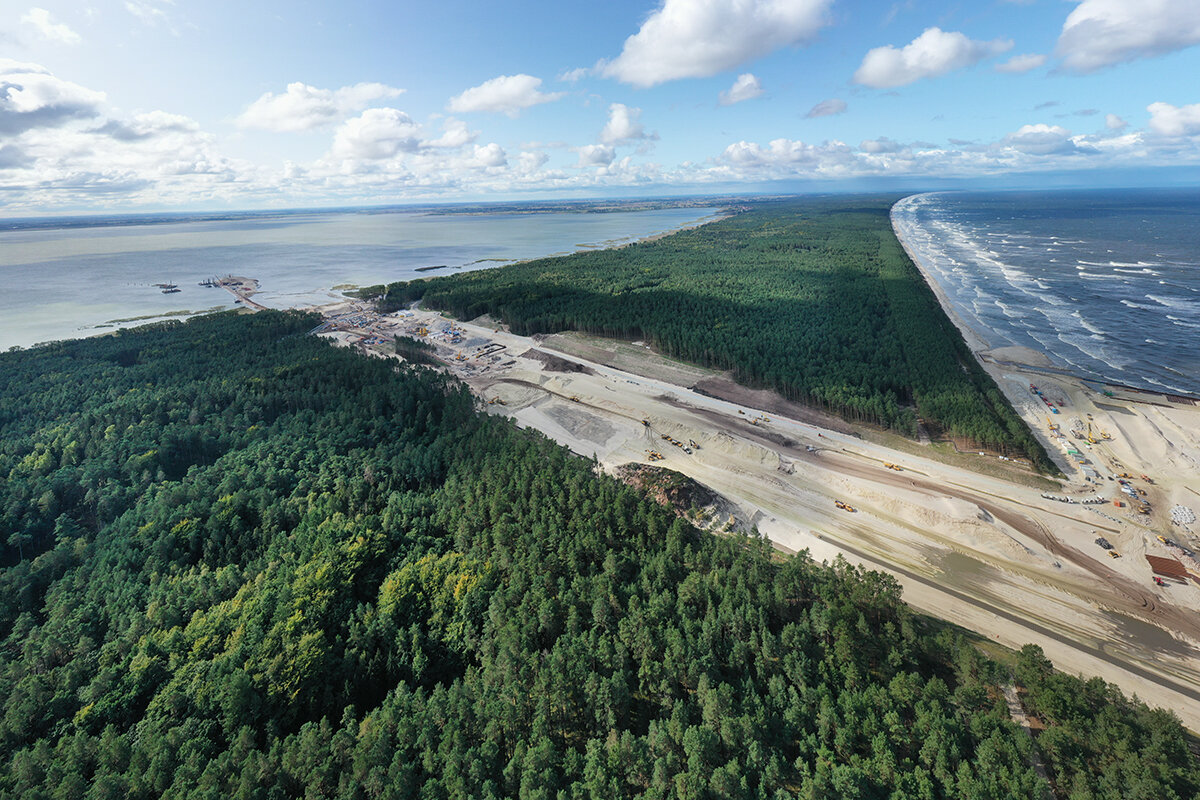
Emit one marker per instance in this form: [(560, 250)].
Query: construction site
[(974, 539)]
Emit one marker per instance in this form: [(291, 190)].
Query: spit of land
[(980, 542)]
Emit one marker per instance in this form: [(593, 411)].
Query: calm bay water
[(1106, 283), (65, 282)]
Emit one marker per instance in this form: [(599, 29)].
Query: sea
[(1104, 283), (69, 278)]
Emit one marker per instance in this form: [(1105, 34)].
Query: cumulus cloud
[(935, 52), (698, 38), (40, 20), (1114, 123), (624, 125), (506, 94), (302, 107), (31, 97), (1101, 33), (826, 108), (1169, 120), (529, 163), (595, 155), (1022, 63), (881, 145), (455, 133), (1041, 140), (377, 133), (746, 87), (490, 155)]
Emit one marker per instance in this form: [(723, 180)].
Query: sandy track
[(984, 552)]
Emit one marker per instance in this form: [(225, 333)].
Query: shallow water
[(65, 282)]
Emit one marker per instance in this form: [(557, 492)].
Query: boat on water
[(171, 290)]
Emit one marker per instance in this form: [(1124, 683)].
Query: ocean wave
[(1175, 302), (1181, 323), (1143, 271), (1131, 304)]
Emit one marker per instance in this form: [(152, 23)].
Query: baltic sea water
[(1105, 283)]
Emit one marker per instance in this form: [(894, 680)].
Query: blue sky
[(149, 104)]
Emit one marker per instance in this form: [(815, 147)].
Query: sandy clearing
[(984, 552)]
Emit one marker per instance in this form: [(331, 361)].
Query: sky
[(186, 105)]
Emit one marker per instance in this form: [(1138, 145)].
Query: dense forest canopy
[(812, 297), (242, 563)]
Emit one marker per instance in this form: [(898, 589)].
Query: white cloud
[(746, 87), (1101, 33), (377, 133), (595, 155), (506, 94), (698, 38), (455, 133), (1114, 123), (47, 28), (574, 75), (303, 107), (529, 163), (1041, 140), (490, 155), (935, 52), (148, 11), (624, 125), (827, 108), (1169, 120), (881, 145), (30, 97), (1022, 63)]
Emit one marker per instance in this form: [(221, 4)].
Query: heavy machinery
[(844, 506), (654, 455), (496, 401), (574, 398)]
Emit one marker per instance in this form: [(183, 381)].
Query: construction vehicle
[(1148, 479), (893, 466), (574, 398), (496, 401), (692, 443), (844, 506), (1159, 581), (1113, 554), (422, 331), (646, 422), (654, 455)]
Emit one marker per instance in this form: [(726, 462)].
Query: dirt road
[(988, 552)]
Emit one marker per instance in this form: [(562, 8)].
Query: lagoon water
[(66, 279), (1105, 283)]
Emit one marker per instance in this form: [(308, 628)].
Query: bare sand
[(985, 551)]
